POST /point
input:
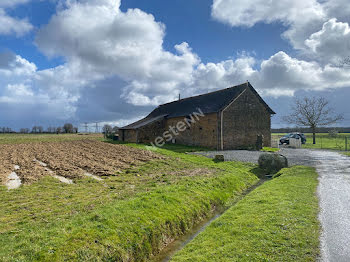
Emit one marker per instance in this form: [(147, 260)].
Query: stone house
[(230, 118)]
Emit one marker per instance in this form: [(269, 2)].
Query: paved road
[(334, 195), (333, 191)]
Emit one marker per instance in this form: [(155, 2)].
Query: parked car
[(302, 136), (285, 139)]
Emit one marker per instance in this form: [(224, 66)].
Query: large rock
[(272, 163), (219, 158)]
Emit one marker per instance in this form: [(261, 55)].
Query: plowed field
[(71, 159)]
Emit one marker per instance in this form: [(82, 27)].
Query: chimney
[(179, 97)]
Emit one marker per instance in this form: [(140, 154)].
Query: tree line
[(67, 128), (109, 131)]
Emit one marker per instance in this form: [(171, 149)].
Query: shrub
[(333, 133), (272, 163)]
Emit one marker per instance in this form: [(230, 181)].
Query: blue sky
[(112, 62), (191, 21)]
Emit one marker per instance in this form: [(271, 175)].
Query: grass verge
[(323, 141), (276, 222), (270, 149), (128, 217)]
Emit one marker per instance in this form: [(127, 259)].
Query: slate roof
[(208, 103), (143, 122)]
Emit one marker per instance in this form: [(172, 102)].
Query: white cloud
[(10, 25), (339, 9), (211, 76), (42, 94), (280, 75), (301, 18), (128, 45), (250, 12), (115, 60), (332, 42), (15, 65), (12, 3), (19, 90)]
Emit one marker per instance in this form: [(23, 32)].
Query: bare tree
[(58, 130), (106, 130), (115, 129), (6, 130), (345, 62), (24, 130), (68, 128), (312, 113)]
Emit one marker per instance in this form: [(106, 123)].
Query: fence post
[(346, 143)]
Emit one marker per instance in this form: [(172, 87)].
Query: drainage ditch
[(170, 250)]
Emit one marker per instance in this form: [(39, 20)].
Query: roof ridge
[(216, 91)]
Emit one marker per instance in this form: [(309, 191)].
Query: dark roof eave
[(143, 122)]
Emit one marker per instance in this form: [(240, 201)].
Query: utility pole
[(86, 127), (96, 130)]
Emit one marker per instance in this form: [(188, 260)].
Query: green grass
[(127, 217), (347, 153), (323, 141), (276, 222), (270, 149), (36, 138)]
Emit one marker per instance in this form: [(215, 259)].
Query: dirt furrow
[(70, 159)]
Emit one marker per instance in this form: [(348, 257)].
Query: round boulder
[(219, 158), (272, 163)]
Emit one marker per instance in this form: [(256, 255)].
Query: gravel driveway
[(333, 192), (334, 195), (294, 156)]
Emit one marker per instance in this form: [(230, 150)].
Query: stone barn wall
[(129, 135), (243, 120), (149, 133), (203, 132)]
